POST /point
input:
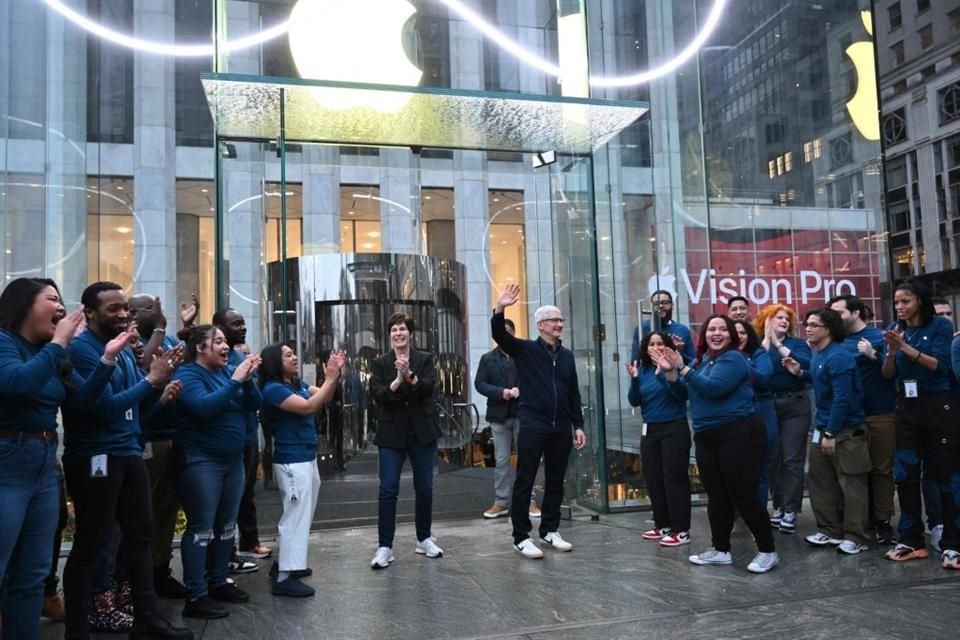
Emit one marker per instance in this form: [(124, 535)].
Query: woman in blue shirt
[(35, 380), (730, 439), (664, 444), (918, 357), (212, 413), (289, 407), (761, 368)]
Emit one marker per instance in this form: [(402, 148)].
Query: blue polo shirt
[(658, 400), (882, 398), (719, 390), (159, 422), (781, 380), (689, 350), (837, 389), (233, 361), (294, 436), (933, 339)]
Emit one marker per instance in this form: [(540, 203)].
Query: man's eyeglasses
[(552, 320), (663, 303), (813, 325)]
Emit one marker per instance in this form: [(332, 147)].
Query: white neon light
[(165, 48)]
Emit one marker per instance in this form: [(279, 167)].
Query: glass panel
[(249, 107)]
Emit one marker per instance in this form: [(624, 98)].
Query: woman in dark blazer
[(402, 386)]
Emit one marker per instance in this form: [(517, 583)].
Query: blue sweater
[(159, 422), (294, 436), (658, 400), (212, 412), (933, 339), (882, 396), (761, 369), (689, 350), (112, 425), (31, 389), (719, 390), (233, 361), (782, 380), (837, 389), (547, 379)]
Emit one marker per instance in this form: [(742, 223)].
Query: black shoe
[(299, 573), (239, 565), (204, 608), (157, 627), (885, 533), (167, 586), (292, 588), (228, 592)]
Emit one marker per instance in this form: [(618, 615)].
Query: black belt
[(48, 435), (787, 394)]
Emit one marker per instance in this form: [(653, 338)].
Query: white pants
[(299, 485)]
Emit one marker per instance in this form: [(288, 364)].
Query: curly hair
[(760, 322)]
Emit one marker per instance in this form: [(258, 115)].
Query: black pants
[(247, 516), (554, 447), (122, 496), (665, 454), (928, 425), (730, 459)]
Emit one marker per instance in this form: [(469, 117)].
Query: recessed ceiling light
[(119, 187), (204, 190), (496, 199), (427, 197), (122, 229), (351, 213), (373, 234), (367, 245)]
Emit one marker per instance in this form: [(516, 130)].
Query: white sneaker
[(382, 559), (821, 539), (429, 548), (529, 549), (851, 548), (935, 535), (763, 562), (554, 540), (712, 556)]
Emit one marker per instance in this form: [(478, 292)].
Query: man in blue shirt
[(868, 347), (663, 321)]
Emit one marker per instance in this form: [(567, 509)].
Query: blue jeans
[(30, 504), (210, 492), (422, 457)]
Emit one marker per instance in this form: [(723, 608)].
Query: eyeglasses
[(813, 325), (663, 303), (552, 320)]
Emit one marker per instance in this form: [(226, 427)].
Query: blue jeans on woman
[(29, 504), (768, 413), (422, 457), (210, 492)]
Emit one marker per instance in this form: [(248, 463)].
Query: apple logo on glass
[(862, 107), (354, 41), (663, 282)]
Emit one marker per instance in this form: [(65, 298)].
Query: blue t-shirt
[(658, 400), (159, 422), (837, 389), (294, 436), (689, 350), (233, 361), (781, 380), (761, 369), (933, 339), (882, 396), (720, 390)]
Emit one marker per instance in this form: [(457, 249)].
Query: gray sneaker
[(382, 559), (851, 548), (712, 556), (763, 562)]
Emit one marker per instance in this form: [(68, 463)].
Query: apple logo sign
[(862, 107), (357, 41), (663, 282)]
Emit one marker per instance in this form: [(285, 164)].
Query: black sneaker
[(167, 586), (291, 588), (885, 533), (299, 573), (157, 627), (239, 565), (228, 592), (204, 608)]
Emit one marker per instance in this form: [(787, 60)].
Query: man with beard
[(104, 469), (234, 328), (663, 321), (157, 427)]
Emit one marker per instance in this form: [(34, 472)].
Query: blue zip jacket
[(837, 389), (294, 436), (659, 401), (689, 350), (761, 369), (720, 390), (31, 389), (782, 380), (212, 412), (933, 339), (159, 422), (547, 378), (882, 398), (233, 361), (112, 425)]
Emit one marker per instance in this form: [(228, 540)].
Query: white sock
[(282, 575)]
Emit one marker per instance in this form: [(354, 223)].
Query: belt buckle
[(49, 436)]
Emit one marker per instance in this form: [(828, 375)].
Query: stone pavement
[(613, 585)]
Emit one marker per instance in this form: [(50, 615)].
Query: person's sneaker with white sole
[(936, 534), (820, 539), (655, 534), (711, 556), (528, 549), (496, 511), (429, 548), (763, 562), (382, 559), (775, 518), (950, 559), (788, 523), (677, 539), (851, 548), (554, 540)]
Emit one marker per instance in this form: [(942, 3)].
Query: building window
[(894, 16), (840, 151), (954, 17), (110, 77), (896, 54), (926, 37), (949, 103), (922, 5), (895, 127)]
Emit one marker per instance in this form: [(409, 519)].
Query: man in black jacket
[(497, 380), (550, 410)]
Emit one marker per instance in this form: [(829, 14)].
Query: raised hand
[(632, 368), (334, 363), (121, 342), (791, 365), (509, 296), (69, 327), (894, 340), (864, 347), (171, 392), (189, 312)]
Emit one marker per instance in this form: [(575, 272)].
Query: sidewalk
[(612, 586)]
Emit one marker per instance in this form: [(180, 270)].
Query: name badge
[(910, 388), (816, 436), (98, 466), (148, 451), (643, 431), (128, 416)]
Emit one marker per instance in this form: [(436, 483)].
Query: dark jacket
[(547, 377), (497, 372), (408, 408)]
